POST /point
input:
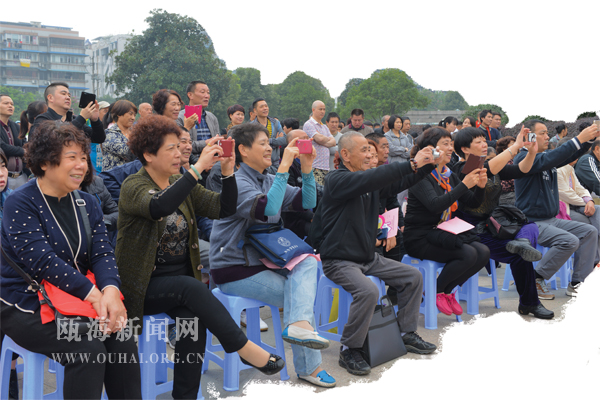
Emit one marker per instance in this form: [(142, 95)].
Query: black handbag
[(384, 341), (505, 222)]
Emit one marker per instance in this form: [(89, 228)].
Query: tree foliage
[(587, 114), (388, 91), (172, 52), (21, 100), (472, 111), (341, 101), (538, 117), (297, 93)]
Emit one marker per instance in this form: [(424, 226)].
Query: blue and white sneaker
[(303, 337), (323, 379)]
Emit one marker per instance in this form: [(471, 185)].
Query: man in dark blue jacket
[(537, 197)]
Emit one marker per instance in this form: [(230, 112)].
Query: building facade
[(102, 52), (33, 55)]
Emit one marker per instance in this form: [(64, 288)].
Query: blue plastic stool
[(473, 293), (324, 301), (33, 372), (429, 270), (230, 362), (154, 363)]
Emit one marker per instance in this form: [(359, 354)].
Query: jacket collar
[(252, 173)]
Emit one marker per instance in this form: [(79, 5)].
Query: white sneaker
[(263, 325)]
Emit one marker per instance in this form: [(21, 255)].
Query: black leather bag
[(505, 222), (384, 341)]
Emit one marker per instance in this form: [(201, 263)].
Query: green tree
[(172, 52), (538, 117), (21, 100), (297, 93), (341, 101), (454, 101), (250, 86), (472, 111), (387, 91), (587, 114)]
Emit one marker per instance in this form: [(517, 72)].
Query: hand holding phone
[(473, 162)]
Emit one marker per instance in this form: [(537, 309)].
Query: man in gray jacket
[(207, 125)]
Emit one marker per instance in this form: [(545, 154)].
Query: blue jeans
[(295, 292)]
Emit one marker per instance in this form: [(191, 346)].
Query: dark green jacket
[(138, 235)]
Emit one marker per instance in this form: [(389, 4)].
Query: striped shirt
[(312, 127)]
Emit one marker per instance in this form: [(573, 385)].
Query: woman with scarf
[(434, 200)]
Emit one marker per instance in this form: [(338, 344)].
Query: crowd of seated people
[(170, 213)]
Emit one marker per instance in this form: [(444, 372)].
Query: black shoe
[(13, 385), (538, 311), (353, 361), (415, 344), (523, 248), (274, 365)]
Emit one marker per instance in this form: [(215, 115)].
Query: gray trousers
[(407, 280), (577, 214), (563, 238)]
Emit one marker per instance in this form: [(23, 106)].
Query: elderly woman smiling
[(157, 247), (44, 234)]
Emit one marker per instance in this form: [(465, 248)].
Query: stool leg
[(280, 349), (507, 278), (5, 368), (495, 286), (472, 286), (429, 279), (33, 375)]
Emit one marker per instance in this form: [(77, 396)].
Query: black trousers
[(461, 264), (89, 364), (186, 297)]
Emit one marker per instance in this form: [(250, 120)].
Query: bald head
[(354, 151), (145, 110), (296, 133), (350, 140), (318, 110)]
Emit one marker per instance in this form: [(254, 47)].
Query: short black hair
[(357, 112), (192, 86), (448, 120), (375, 136), (484, 113), (464, 138), (494, 113), (392, 121), (255, 102), (332, 115), (595, 145), (532, 123), (245, 134), (430, 138), (291, 123), (51, 88), (560, 127)]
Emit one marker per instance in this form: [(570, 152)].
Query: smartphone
[(227, 146), (191, 110), (473, 162), (304, 146), (597, 123), (86, 98), (531, 137)]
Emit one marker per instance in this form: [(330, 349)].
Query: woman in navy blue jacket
[(43, 232)]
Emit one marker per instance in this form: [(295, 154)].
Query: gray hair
[(347, 140)]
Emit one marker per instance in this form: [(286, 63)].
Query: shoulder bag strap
[(86, 221)]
